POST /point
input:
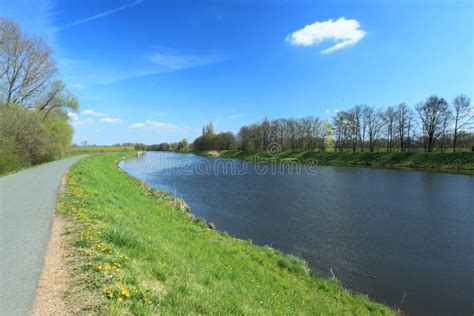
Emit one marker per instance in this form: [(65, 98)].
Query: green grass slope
[(136, 250), (459, 162)]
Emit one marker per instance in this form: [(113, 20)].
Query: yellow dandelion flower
[(99, 267), (119, 299), (124, 292)]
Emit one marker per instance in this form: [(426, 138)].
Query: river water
[(403, 238)]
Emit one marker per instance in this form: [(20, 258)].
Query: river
[(404, 238)]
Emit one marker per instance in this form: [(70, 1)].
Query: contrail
[(101, 15)]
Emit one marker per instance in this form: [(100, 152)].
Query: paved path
[(27, 202)]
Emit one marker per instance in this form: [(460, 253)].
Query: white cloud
[(137, 125), (101, 15), (236, 116), (94, 113), (78, 86), (327, 111), (110, 120), (341, 31), (153, 125), (76, 121), (160, 125), (173, 61)]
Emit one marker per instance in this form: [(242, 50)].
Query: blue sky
[(155, 71)]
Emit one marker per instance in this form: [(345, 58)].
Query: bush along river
[(402, 237)]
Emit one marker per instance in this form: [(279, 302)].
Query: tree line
[(34, 125), (433, 124)]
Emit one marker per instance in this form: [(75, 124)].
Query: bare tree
[(355, 118), (26, 68), (363, 126), (389, 117), (403, 125), (375, 124), (57, 97), (463, 115), (432, 114)]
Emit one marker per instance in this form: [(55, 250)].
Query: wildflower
[(119, 299), (99, 267), (124, 292)]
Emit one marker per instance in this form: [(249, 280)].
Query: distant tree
[(363, 126), (404, 118), (182, 145), (226, 141), (139, 147), (375, 123), (463, 116), (207, 140), (389, 122), (432, 114), (327, 132)]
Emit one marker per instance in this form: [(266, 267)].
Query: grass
[(137, 250), (459, 162), (75, 150)]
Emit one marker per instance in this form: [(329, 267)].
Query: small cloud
[(110, 120), (159, 125), (72, 116), (327, 111), (137, 125), (78, 86), (341, 31), (235, 117), (174, 61), (76, 121), (337, 111), (94, 113)]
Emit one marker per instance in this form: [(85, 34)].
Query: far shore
[(458, 162)]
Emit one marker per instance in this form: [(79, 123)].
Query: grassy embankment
[(462, 162), (135, 249), (8, 168), (79, 150)]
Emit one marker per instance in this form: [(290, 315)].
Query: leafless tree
[(363, 126), (375, 123), (463, 116), (389, 118), (26, 68), (432, 114), (403, 125)]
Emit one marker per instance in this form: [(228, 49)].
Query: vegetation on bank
[(432, 125), (76, 150), (137, 250), (34, 104), (458, 162)]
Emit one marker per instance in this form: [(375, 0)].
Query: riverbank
[(462, 162), (135, 249)]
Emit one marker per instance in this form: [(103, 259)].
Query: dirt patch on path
[(53, 282)]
